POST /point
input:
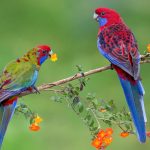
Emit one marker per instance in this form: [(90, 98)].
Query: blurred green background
[(69, 28)]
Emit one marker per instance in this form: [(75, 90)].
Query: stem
[(120, 127), (99, 126)]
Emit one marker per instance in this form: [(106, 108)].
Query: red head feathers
[(43, 52), (106, 16)]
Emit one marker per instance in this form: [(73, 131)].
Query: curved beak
[(95, 16), (51, 53), (53, 56)]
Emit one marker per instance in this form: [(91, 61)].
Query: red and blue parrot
[(117, 43), (18, 76)]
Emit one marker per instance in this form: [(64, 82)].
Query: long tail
[(6, 112), (134, 96)]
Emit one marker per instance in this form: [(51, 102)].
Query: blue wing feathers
[(5, 94)]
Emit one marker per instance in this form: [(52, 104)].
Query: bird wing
[(16, 77), (117, 43)]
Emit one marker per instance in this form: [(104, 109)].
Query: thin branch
[(45, 87), (96, 118)]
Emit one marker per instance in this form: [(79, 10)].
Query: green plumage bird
[(19, 76)]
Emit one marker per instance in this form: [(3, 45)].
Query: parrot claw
[(36, 90), (83, 75), (33, 89)]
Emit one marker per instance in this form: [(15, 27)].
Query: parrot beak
[(53, 56), (95, 16), (51, 53)]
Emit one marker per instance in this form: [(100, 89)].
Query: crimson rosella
[(117, 43), (18, 76)]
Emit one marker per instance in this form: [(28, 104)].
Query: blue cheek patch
[(102, 21), (42, 59)]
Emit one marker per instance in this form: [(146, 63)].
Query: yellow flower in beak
[(148, 48), (53, 56)]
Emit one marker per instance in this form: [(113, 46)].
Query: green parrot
[(18, 76)]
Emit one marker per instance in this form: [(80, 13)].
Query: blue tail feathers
[(6, 113), (134, 97)]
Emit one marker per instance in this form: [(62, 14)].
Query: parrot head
[(106, 17), (38, 55), (43, 52)]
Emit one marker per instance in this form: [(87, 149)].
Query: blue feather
[(134, 98), (6, 112), (42, 59), (102, 21)]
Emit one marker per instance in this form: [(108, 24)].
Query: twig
[(144, 59), (95, 118), (55, 91)]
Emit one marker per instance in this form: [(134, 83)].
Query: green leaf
[(90, 96), (87, 117), (76, 100), (91, 124), (79, 67), (80, 106), (127, 126), (56, 98), (94, 102)]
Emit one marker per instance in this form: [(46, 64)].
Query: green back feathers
[(19, 73), (31, 56)]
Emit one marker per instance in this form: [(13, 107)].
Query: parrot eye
[(44, 51), (102, 13)]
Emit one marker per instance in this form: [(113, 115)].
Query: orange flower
[(148, 48), (101, 134), (102, 110), (97, 143), (103, 139), (38, 119), (124, 134), (109, 131), (34, 127), (148, 134), (54, 57), (107, 140)]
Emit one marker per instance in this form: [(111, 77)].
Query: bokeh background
[(69, 28)]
